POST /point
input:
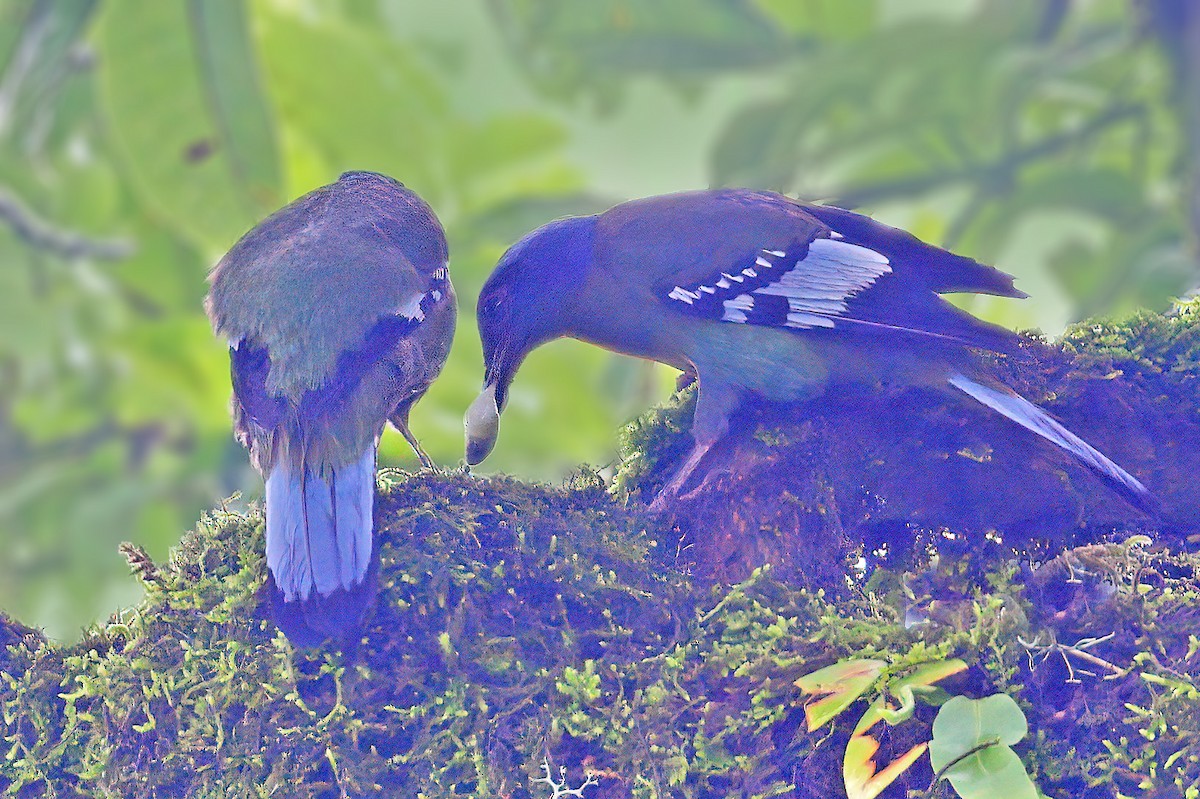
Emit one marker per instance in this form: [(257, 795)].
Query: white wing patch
[(418, 304), (816, 287), (683, 295), (412, 308), (735, 309)]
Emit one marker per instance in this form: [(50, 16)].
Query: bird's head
[(526, 302)]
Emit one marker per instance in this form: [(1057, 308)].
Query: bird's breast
[(777, 364)]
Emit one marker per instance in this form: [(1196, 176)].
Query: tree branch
[(42, 235), (994, 172)]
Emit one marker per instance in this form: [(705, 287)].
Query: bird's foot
[(702, 487), (427, 463), (671, 494), (434, 469)]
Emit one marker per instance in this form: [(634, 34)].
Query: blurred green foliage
[(138, 141)]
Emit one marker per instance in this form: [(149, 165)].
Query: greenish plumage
[(309, 281)]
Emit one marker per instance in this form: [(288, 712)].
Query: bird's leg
[(709, 425), (400, 420), (671, 490)]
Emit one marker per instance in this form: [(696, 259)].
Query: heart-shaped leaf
[(971, 740)]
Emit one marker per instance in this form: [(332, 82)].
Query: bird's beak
[(482, 424)]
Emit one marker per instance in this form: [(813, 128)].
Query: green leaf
[(920, 681), (840, 684), (831, 20), (36, 63), (179, 91), (566, 46), (366, 103), (990, 726), (225, 58)]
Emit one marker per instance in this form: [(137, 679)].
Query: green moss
[(519, 624), (1144, 343), (517, 621), (651, 442)]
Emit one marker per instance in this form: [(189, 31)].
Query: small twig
[(140, 563), (1077, 650), (1114, 670), (42, 235), (559, 788), (993, 172), (979, 747)]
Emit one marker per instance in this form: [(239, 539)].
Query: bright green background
[(138, 140)]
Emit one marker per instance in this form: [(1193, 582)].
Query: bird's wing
[(311, 281), (941, 270), (250, 364), (825, 280)]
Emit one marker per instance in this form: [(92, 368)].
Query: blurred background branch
[(1001, 173), (41, 235), (1059, 140), (1177, 25)]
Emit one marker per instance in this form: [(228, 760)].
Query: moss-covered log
[(806, 487), (521, 624)]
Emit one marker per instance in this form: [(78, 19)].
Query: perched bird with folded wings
[(760, 296), (339, 313)]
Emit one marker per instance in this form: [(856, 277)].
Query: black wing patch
[(249, 365), (942, 271), (805, 286), (352, 366)]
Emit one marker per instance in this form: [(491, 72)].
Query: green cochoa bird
[(761, 297), (339, 313)]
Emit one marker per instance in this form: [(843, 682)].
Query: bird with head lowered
[(339, 314), (759, 296)]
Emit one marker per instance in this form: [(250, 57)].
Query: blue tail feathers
[(1031, 417), (319, 546)]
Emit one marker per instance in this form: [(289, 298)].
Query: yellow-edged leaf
[(859, 770), (839, 684)]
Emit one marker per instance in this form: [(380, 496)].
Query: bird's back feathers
[(332, 263), (339, 313)]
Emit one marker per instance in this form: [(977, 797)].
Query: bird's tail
[(1031, 417), (319, 546)]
